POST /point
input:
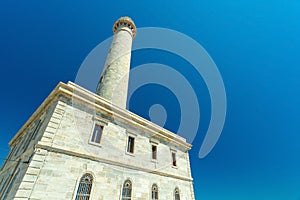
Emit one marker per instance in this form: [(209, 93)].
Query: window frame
[(102, 126), (176, 191), (174, 159), (151, 194), (130, 148), (154, 142), (154, 153), (123, 187), (78, 186), (134, 136), (8, 184), (36, 129), (11, 182)]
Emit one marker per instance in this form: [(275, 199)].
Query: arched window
[(126, 192), (176, 193), (84, 188), (154, 192)]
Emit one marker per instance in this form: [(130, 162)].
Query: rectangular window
[(97, 133), (36, 130), (18, 144), (154, 152), (174, 159), (130, 145), (11, 180)]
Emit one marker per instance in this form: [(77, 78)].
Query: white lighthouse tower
[(113, 84)]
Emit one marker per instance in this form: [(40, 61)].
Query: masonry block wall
[(59, 151)]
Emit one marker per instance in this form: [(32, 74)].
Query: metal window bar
[(84, 188), (126, 193), (154, 195), (177, 196), (154, 192)]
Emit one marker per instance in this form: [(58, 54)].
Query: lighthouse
[(113, 83)]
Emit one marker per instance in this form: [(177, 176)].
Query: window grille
[(154, 192), (177, 196), (84, 188), (126, 192)]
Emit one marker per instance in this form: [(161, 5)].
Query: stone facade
[(81, 145), (59, 151)]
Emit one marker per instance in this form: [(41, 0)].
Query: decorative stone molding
[(115, 163), (125, 22), (103, 106)]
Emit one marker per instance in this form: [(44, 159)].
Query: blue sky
[(255, 45)]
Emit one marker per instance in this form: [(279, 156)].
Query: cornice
[(71, 90), (111, 162)]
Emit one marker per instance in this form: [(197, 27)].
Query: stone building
[(79, 145)]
